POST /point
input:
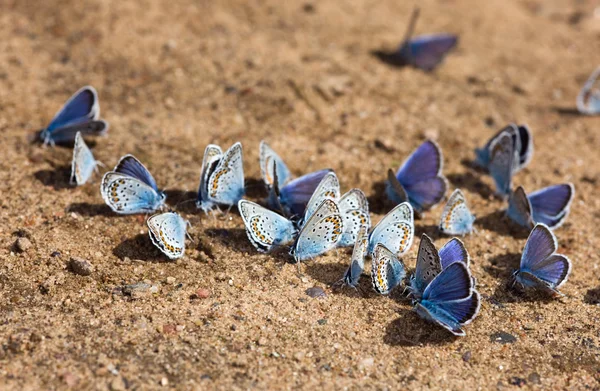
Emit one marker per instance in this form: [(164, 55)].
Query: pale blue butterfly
[(167, 232), (79, 114), (222, 177), (387, 270), (457, 219), (395, 231), (502, 162), (522, 144), (83, 163), (541, 268), (588, 100), (550, 205), (266, 229), (357, 262), (130, 188)]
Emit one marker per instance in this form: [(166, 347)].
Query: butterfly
[(588, 100), (265, 228), (457, 219), (541, 268), (353, 207), (395, 230), (387, 271), (221, 178), (83, 163), (549, 205), (167, 232), (286, 194), (419, 180), (425, 52), (130, 188), (357, 262), (320, 233), (522, 144), (442, 287), (502, 162), (79, 114)]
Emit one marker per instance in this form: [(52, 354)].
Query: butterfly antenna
[(411, 24)]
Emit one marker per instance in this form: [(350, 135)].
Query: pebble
[(171, 280), (203, 293), (503, 337), (80, 266), (316, 291), (366, 363), (466, 356), (262, 341), (69, 379), (164, 382), (22, 244), (117, 384), (534, 378)]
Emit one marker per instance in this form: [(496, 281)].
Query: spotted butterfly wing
[(83, 163), (354, 208), (387, 271), (167, 232), (270, 162), (395, 231), (320, 233), (503, 159), (357, 262), (328, 189), (457, 219), (265, 229), (428, 266)]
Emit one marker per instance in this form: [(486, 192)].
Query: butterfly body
[(79, 114), (426, 52), (130, 188), (550, 205), (357, 262), (167, 232), (522, 145), (83, 163), (502, 162)]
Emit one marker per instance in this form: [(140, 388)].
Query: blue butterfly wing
[(395, 230), (502, 164), (83, 163), (451, 315), (551, 201), (387, 271), (226, 182), (553, 271), (456, 218), (81, 107), (453, 251), (129, 165), (428, 267), (167, 232), (588, 100), (451, 284), (540, 245), (295, 195), (320, 233), (357, 263), (67, 134), (519, 208), (269, 159), (526, 145), (427, 51), (394, 189), (427, 193), (126, 195), (265, 229)]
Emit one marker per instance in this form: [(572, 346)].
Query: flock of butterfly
[(309, 215)]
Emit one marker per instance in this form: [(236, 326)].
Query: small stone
[(366, 363), (534, 378), (262, 341), (117, 384), (466, 356), (80, 266), (164, 382), (221, 277), (431, 134), (169, 329), (69, 379), (322, 322), (169, 103), (503, 337), (136, 289), (22, 244), (275, 354), (298, 356), (171, 280), (203, 293), (517, 381), (153, 289), (316, 291), (55, 254)]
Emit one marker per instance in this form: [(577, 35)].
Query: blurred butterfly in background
[(457, 219), (357, 262), (353, 207), (395, 231), (419, 180), (320, 233), (442, 287), (550, 205), (130, 188), (588, 100), (265, 228), (387, 270), (167, 232), (522, 145), (286, 194), (541, 268), (79, 114), (221, 178), (503, 159), (83, 163)]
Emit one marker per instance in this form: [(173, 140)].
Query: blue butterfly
[(426, 51), (419, 180), (541, 268), (222, 177), (395, 231), (522, 141), (265, 228), (130, 188), (503, 159), (549, 205), (79, 114), (588, 100), (286, 194), (83, 163), (353, 207), (320, 233), (442, 287), (167, 232), (387, 270), (457, 219), (357, 262)]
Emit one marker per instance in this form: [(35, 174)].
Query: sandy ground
[(174, 76)]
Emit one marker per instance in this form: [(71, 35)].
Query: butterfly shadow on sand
[(498, 222), (330, 273), (91, 210), (58, 178), (139, 247), (410, 330), (471, 183)]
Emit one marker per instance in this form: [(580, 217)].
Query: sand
[(174, 76)]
